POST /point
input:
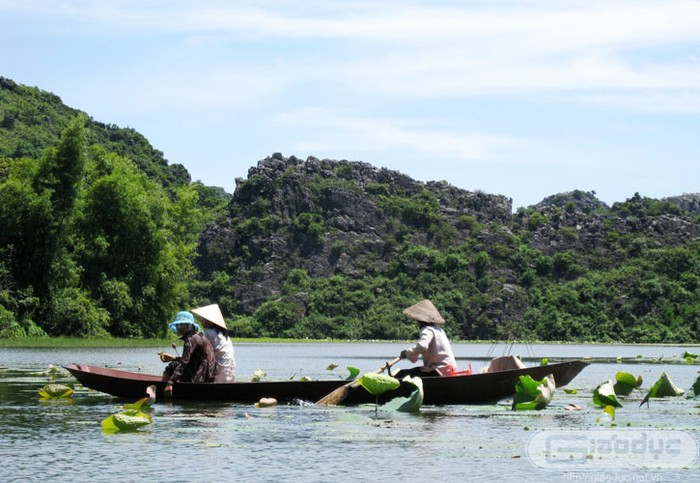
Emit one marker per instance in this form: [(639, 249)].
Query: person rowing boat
[(433, 345)]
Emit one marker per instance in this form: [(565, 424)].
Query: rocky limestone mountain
[(331, 217), (339, 218)]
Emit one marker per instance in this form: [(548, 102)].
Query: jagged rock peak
[(585, 201), (365, 181), (689, 202)]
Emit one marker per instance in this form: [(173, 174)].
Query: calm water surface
[(236, 442)]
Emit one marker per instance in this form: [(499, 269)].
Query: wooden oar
[(340, 394)]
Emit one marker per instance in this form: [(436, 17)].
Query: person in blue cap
[(197, 363)]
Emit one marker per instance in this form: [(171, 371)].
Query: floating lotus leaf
[(331, 366), (625, 383), (532, 394), (377, 384), (411, 404), (664, 387), (125, 422), (51, 391), (610, 411), (145, 402), (695, 390), (305, 379), (604, 395), (258, 375), (354, 372)]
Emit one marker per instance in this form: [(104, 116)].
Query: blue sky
[(520, 98)]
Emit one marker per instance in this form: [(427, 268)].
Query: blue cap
[(183, 318)]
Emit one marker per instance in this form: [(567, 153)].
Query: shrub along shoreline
[(116, 343)]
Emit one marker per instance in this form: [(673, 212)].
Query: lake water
[(190, 441)]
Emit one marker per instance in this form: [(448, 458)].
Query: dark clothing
[(197, 363), (415, 372)]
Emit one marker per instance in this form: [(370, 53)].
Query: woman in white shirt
[(433, 345), (216, 332)]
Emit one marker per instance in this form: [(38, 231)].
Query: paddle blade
[(336, 397)]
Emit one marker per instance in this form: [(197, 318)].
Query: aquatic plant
[(689, 357), (664, 387), (378, 384), (53, 372), (411, 404), (258, 375), (127, 421), (533, 394), (146, 402), (55, 391), (694, 391), (625, 383), (604, 395), (353, 371), (133, 417)]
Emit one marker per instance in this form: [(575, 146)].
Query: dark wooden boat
[(459, 389)]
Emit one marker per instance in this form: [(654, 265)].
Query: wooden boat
[(458, 389)]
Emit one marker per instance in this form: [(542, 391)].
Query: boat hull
[(463, 389)]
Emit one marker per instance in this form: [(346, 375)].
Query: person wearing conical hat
[(197, 363), (216, 332), (432, 346)]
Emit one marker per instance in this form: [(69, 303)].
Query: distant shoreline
[(88, 342)]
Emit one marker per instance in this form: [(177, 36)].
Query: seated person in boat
[(197, 363), (433, 345), (216, 332)]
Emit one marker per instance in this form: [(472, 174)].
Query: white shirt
[(225, 360), (436, 351)]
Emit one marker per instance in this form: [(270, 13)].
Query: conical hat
[(211, 313), (424, 311)]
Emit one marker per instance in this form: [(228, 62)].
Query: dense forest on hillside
[(97, 232), (100, 235)]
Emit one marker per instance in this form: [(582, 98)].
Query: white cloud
[(415, 49), (344, 132)]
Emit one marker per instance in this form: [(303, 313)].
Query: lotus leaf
[(354, 371), (410, 404), (604, 395), (626, 383), (258, 375), (125, 422), (145, 402), (532, 394), (664, 387), (55, 391), (377, 384), (610, 411), (695, 390), (331, 366)]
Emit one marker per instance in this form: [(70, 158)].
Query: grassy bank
[(112, 342), (115, 343)]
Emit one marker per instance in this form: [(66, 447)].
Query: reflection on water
[(233, 442)]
